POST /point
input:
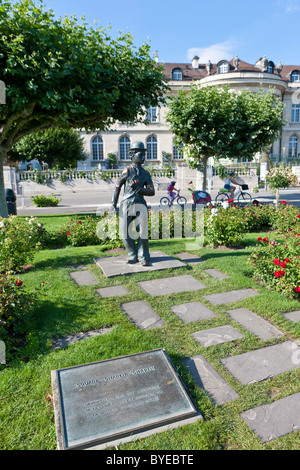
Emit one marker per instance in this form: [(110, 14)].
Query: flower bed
[(276, 261)]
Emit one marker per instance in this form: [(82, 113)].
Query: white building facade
[(156, 135)]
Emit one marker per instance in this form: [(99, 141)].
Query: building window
[(124, 145), (177, 74), (223, 67), (97, 148), (151, 148), (177, 151), (295, 113), (295, 76), (293, 147), (152, 114)]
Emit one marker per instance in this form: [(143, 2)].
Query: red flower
[(259, 238), (79, 221), (19, 282), (287, 260), (289, 229), (276, 261), (279, 273), (191, 182), (298, 216), (297, 289), (283, 264), (68, 233), (283, 202), (265, 239), (298, 234), (230, 200)]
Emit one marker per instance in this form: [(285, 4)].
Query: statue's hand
[(135, 184)]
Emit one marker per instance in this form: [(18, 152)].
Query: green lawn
[(26, 414)]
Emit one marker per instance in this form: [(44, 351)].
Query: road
[(83, 202)]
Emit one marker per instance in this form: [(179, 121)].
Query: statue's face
[(139, 157)]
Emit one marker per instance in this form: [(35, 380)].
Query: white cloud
[(223, 50)]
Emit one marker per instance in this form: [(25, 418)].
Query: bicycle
[(166, 201), (241, 195)]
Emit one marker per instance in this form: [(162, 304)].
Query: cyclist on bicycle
[(171, 188), (230, 179)]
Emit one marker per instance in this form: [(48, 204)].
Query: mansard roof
[(190, 73)]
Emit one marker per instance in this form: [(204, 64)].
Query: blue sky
[(211, 29)]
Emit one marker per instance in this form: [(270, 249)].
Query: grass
[(26, 413)]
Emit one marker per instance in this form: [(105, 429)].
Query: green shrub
[(224, 226), (19, 239), (285, 218), (40, 200)]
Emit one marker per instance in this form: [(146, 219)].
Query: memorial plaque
[(116, 400)]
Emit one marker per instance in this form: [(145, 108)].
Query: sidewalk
[(83, 202)]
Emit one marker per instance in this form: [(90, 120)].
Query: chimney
[(195, 62)]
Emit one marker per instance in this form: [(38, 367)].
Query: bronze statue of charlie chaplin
[(137, 183)]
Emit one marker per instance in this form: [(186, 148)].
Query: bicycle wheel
[(244, 198), (222, 197), (181, 200), (165, 201)]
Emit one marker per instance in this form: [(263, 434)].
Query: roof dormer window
[(177, 74), (295, 76), (223, 67)]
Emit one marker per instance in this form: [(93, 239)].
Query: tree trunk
[(3, 205), (201, 179)]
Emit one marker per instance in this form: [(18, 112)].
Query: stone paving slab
[(189, 258), (171, 285), (218, 335), (83, 278), (207, 378), (274, 419), (142, 315), (112, 266), (193, 311), (71, 339), (230, 296), (114, 291), (293, 316), (254, 323), (216, 273), (258, 365)]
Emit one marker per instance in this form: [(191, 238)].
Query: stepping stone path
[(171, 285), (207, 378), (254, 366), (218, 335), (193, 311), (254, 323), (71, 339), (216, 273), (83, 278), (293, 316), (267, 421), (114, 291), (142, 315), (231, 296), (275, 419)]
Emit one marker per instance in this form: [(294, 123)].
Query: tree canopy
[(62, 73), (58, 147), (218, 122)]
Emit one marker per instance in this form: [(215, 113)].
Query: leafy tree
[(58, 147), (59, 73), (217, 122)]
